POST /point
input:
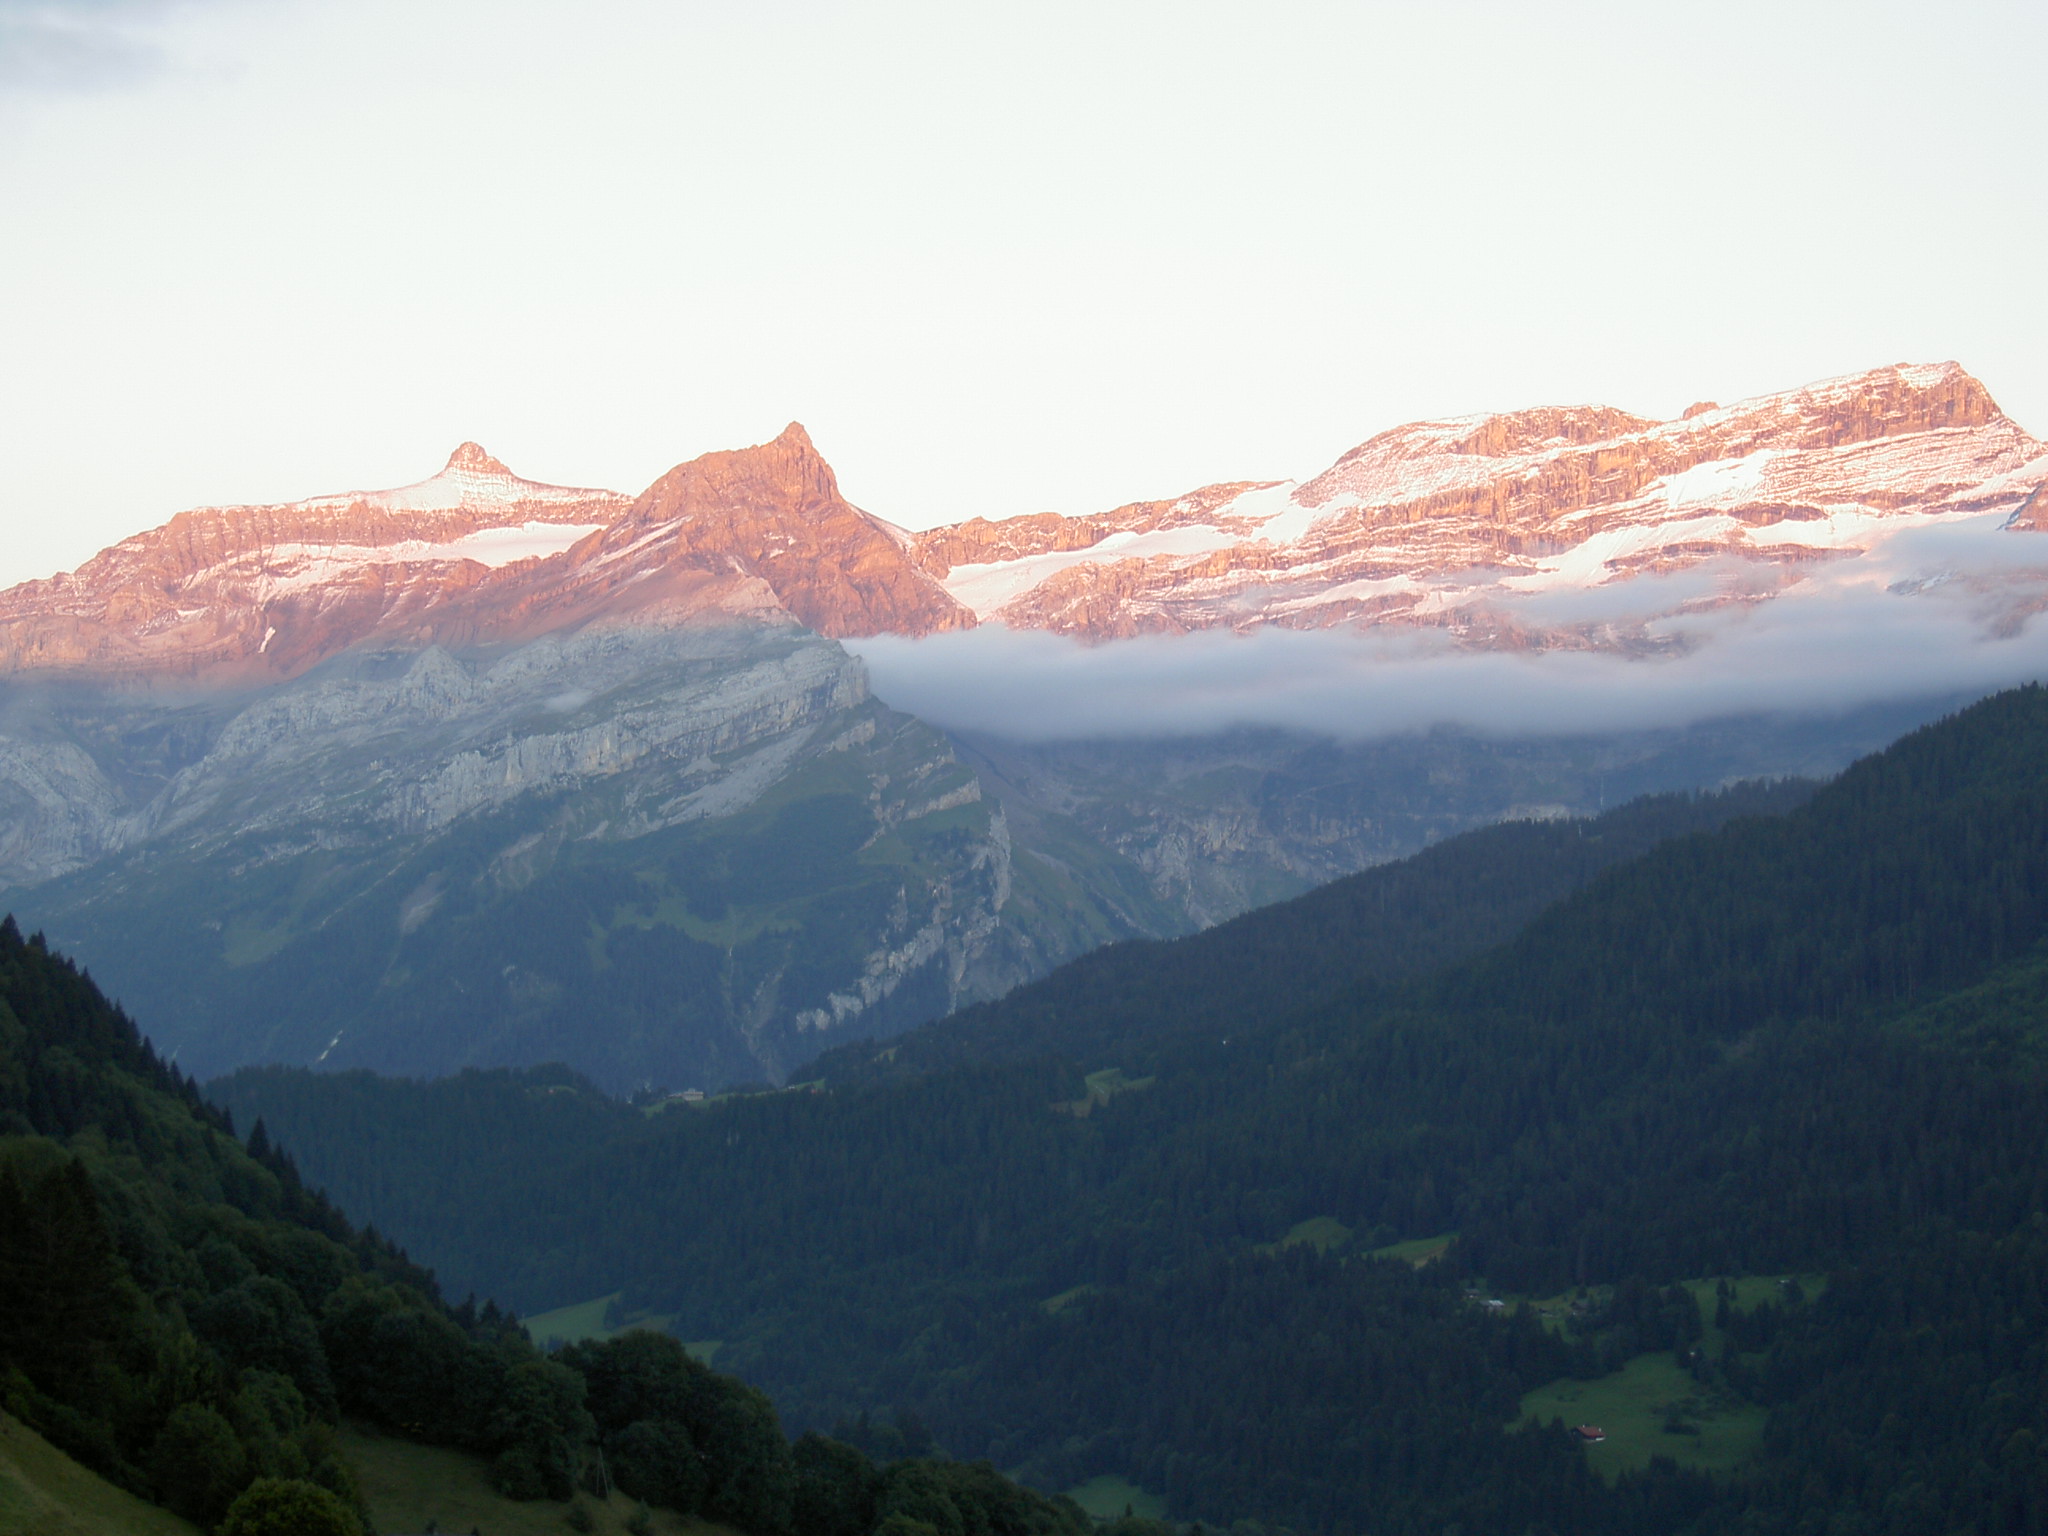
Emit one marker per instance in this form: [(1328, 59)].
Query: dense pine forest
[(182, 1315), (1232, 1224), (483, 1134)]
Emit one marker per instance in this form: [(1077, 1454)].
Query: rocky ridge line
[(1450, 524)]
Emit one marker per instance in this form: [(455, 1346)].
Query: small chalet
[(1592, 1434)]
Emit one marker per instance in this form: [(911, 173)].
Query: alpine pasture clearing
[(1108, 1496), (586, 1320), (1636, 1403), (1653, 1406), (1417, 1251), (1325, 1234)]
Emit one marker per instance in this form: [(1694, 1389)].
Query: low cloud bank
[(1929, 611)]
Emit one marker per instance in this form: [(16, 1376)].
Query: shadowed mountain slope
[(1399, 920)]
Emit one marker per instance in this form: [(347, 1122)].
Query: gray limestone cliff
[(671, 856)]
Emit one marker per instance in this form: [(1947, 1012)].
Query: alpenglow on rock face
[(1441, 523), (1435, 523), (474, 555), (1428, 524)]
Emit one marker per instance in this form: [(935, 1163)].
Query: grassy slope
[(408, 1485), (1417, 1251), (1325, 1234), (1107, 1497), (585, 1320), (43, 1492)]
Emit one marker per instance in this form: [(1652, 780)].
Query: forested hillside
[(1806, 1045), (1461, 896), (181, 1314), (484, 1133)]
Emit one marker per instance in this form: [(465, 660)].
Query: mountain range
[(1437, 523), (432, 777)]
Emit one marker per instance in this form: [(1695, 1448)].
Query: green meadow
[(1325, 1234), (1417, 1250), (1651, 1407), (1108, 1496), (586, 1320)]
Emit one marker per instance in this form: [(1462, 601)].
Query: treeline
[(1799, 1043), (180, 1313)]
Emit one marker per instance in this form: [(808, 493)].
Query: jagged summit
[(470, 458), (273, 589), (473, 480), (774, 512)]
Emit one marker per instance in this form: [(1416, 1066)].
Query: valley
[(1089, 1238), (1628, 1090)]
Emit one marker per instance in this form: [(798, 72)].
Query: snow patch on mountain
[(1590, 563), (316, 565), (987, 588), (1713, 481), (473, 481)]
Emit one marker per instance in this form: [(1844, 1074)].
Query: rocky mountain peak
[(774, 511), (471, 459)]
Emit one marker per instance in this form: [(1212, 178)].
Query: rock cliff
[(684, 853)]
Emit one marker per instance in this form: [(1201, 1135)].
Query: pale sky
[(997, 258)]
